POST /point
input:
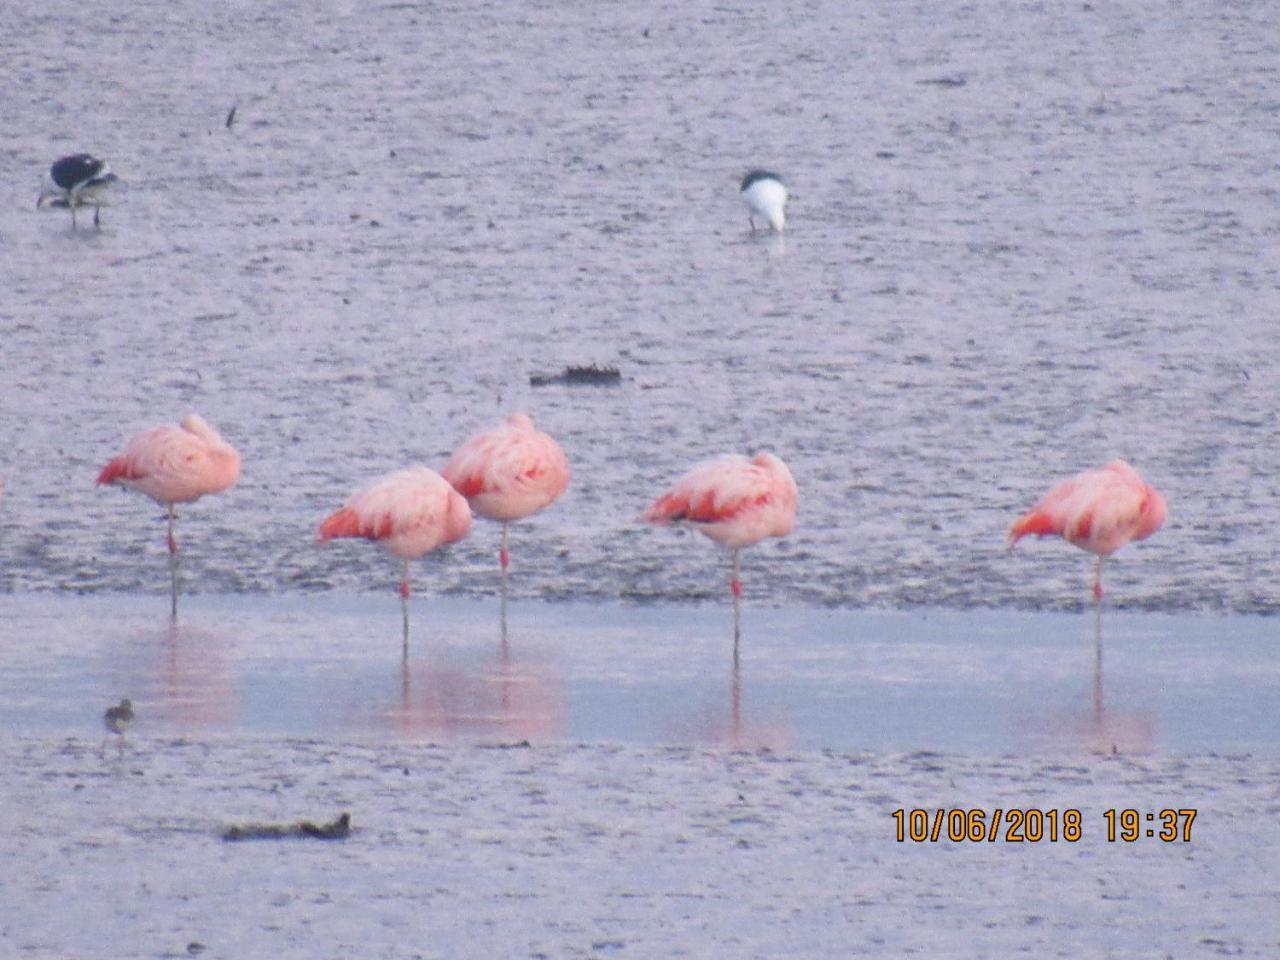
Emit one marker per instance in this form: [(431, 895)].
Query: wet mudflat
[(1023, 240), (1005, 261)]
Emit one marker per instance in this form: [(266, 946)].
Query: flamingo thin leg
[(503, 617), (173, 567), (1097, 581), (404, 601), (735, 587), (1097, 667)]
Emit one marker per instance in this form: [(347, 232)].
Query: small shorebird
[(116, 720), (1099, 510), (508, 472), (77, 181), (765, 194), (735, 501), (410, 512), (175, 464)]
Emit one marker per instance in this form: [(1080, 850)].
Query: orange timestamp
[(1034, 825)]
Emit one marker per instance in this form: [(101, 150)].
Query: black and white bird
[(76, 181), (765, 194), (116, 720)]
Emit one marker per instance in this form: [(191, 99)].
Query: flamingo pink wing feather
[(509, 471), (739, 501), (1098, 510), (175, 464), (410, 512)]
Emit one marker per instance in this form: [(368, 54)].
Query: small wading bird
[(175, 464), (508, 472), (410, 512), (76, 181), (116, 720), (1099, 510), (764, 194), (735, 501)]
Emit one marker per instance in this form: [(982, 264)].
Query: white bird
[(764, 193), (76, 181)]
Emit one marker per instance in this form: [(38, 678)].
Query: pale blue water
[(982, 682)]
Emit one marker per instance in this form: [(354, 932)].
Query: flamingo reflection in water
[(734, 718), (183, 674), (1096, 724), (1110, 730), (503, 697)]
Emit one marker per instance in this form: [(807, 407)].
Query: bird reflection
[(739, 728), (183, 675), (503, 697), (198, 687), (1102, 727), (502, 616), (1110, 730)]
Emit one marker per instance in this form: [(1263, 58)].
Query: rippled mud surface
[(596, 852), (1005, 261)]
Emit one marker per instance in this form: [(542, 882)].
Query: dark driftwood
[(337, 830), (578, 376)]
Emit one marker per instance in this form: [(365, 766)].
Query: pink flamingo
[(410, 513), (508, 472), (1099, 510), (174, 465), (735, 501)]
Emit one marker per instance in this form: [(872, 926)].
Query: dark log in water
[(578, 376), (338, 829)]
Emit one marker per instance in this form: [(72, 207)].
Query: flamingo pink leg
[(1097, 581), (404, 602), (504, 555), (735, 587)]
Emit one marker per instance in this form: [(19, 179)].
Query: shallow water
[(1006, 260), (983, 682)]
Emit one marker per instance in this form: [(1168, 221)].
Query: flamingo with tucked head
[(175, 464), (508, 472), (409, 513), (736, 501), (1099, 510)]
